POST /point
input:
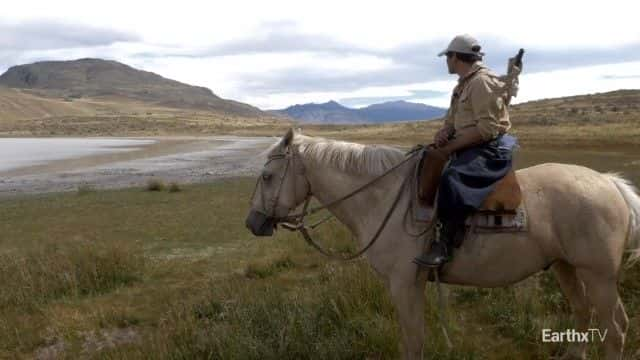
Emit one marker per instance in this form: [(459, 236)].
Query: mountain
[(333, 113), (329, 112), (106, 79), (401, 111)]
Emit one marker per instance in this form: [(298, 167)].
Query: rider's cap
[(463, 44)]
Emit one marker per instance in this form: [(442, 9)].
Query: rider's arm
[(446, 131), (488, 106), (464, 138)]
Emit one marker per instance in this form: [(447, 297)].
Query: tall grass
[(72, 268), (348, 315), (38, 276)]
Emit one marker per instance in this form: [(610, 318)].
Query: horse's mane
[(347, 156)]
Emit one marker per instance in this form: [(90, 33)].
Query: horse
[(580, 223)]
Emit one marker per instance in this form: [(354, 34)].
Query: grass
[(62, 272), (119, 274), (261, 271), (67, 269), (85, 189), (129, 274)]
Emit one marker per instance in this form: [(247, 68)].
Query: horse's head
[(280, 188)]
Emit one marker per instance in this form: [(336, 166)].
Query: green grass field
[(140, 274)]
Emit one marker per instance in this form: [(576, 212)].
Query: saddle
[(502, 203)]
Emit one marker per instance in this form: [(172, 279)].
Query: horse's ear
[(286, 140)]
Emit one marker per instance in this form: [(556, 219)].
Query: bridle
[(295, 222)]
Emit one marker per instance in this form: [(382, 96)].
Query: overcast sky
[(273, 54)]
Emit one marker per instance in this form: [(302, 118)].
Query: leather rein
[(296, 222)]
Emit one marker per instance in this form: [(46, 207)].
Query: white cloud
[(583, 80), (277, 53)]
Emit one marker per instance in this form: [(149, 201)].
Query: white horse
[(580, 220)]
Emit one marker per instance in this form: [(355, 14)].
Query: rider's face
[(451, 60)]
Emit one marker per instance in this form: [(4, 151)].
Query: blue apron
[(471, 176)]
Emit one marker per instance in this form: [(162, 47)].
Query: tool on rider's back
[(514, 68)]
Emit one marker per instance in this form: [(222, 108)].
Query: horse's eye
[(266, 176)]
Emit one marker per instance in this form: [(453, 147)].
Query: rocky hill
[(106, 79)]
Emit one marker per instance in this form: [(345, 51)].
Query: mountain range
[(334, 113)]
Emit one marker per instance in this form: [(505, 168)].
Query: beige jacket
[(479, 100)]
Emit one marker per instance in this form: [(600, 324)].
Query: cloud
[(47, 35), (620, 77), (288, 37), (288, 61), (282, 36), (408, 63), (39, 40)]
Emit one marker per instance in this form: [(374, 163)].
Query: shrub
[(155, 185), (174, 187), (85, 189)]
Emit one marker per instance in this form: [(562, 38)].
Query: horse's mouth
[(260, 224)]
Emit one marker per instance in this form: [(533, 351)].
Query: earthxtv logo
[(572, 335)]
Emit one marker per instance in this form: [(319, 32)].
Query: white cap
[(463, 44)]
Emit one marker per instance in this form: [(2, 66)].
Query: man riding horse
[(474, 138)]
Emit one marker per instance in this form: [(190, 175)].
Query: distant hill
[(333, 113), (329, 112), (401, 111), (613, 106), (106, 79)]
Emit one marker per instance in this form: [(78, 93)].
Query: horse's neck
[(356, 212)]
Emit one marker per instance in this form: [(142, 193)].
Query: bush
[(85, 189), (174, 187), (155, 185)]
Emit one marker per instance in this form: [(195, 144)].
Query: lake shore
[(180, 159)]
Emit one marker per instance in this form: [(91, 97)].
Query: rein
[(304, 230), (296, 222)]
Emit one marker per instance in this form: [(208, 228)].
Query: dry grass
[(178, 276)]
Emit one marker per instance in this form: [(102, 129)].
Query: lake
[(22, 152)]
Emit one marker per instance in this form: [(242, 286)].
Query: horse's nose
[(259, 223)]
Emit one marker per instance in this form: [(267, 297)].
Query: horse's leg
[(575, 292), (408, 298), (602, 291)]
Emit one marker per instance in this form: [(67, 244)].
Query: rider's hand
[(417, 147), (442, 136)]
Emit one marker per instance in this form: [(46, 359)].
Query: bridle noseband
[(270, 207)]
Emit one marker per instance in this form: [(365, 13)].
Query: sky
[(273, 54)]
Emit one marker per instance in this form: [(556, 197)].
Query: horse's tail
[(631, 197)]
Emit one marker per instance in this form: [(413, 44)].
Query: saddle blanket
[(498, 221)]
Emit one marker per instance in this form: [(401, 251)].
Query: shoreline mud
[(171, 159)]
